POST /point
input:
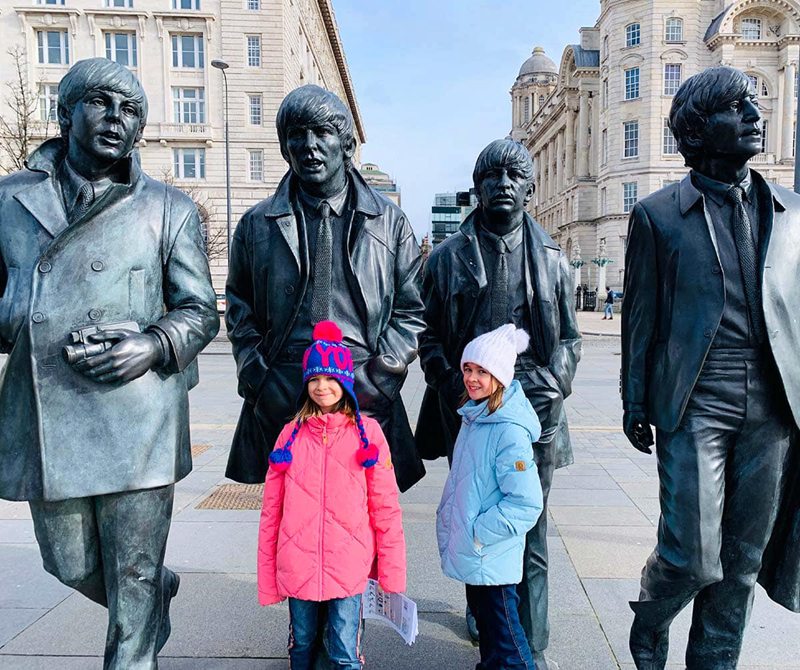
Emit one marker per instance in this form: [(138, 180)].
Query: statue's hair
[(309, 106), (505, 153), (697, 99), (97, 74)]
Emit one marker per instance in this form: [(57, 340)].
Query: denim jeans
[(609, 310), (342, 637), (502, 641)]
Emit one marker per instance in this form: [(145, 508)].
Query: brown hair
[(309, 408), (495, 398)]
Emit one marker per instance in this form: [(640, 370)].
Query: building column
[(583, 135), (569, 136), (594, 150), (559, 164), (789, 75)]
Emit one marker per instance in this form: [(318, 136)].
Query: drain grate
[(234, 496), (198, 449)]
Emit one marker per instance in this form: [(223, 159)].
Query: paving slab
[(608, 551), (598, 516), (23, 581)]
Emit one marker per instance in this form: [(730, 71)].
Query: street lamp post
[(221, 65)]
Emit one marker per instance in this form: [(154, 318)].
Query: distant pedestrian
[(331, 505), (609, 308), (492, 496)]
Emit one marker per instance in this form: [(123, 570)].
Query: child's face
[(479, 382), (326, 392)]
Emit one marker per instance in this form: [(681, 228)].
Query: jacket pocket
[(136, 298)]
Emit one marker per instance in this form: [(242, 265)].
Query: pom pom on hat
[(280, 459), (368, 456), (496, 351), (327, 331)]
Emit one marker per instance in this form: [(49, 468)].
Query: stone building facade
[(270, 46), (381, 181), (597, 125)]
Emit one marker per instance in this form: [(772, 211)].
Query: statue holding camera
[(105, 302)]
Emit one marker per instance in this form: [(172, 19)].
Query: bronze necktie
[(748, 261), (321, 298), (83, 201), (500, 287)]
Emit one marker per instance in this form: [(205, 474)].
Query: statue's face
[(316, 153), (504, 191), (105, 125), (734, 131)]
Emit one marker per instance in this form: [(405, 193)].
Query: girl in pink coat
[(331, 510)]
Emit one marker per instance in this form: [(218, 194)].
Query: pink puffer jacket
[(325, 519)]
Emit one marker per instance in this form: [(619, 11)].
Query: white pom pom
[(521, 340)]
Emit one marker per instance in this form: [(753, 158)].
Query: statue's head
[(102, 109), (715, 114), (503, 177), (315, 131)]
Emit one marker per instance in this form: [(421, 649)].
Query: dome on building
[(538, 63)]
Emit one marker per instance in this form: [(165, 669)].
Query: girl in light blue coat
[(492, 497)]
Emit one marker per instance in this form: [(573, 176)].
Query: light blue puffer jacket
[(492, 496)]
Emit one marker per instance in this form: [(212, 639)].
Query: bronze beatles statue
[(709, 344), (106, 302)]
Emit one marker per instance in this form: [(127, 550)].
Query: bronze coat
[(267, 279), (674, 298), (136, 255), (454, 281)]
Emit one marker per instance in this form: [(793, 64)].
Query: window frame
[(183, 106), (633, 34), (259, 164), (48, 93), (671, 84), (629, 199), (757, 23), (179, 155), (110, 46), (249, 53), (43, 47), (672, 36), (630, 139), (118, 4), (632, 84), (178, 52), (194, 5), (668, 140), (251, 98)]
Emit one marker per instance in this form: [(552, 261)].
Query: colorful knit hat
[(328, 357)]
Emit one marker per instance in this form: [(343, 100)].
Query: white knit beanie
[(496, 351)]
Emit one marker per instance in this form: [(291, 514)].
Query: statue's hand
[(637, 429), (132, 355)]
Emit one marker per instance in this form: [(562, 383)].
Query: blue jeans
[(609, 310), (502, 641), (342, 637)]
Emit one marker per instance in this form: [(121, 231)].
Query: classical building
[(595, 123), (381, 181), (270, 47)]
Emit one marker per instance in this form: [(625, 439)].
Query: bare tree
[(20, 127), (216, 240)]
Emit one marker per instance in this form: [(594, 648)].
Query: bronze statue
[(501, 267), (325, 245), (106, 302), (709, 346)]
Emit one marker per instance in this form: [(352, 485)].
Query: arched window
[(632, 35), (751, 28), (541, 100), (673, 31)]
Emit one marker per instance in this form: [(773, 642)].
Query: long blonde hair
[(309, 408), (495, 398)]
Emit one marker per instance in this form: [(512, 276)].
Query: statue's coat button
[(37, 317), (716, 269), (707, 332), (45, 267), (95, 314), (289, 289), (98, 266)]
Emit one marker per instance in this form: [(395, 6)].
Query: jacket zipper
[(322, 502)]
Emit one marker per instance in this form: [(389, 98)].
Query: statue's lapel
[(44, 203)]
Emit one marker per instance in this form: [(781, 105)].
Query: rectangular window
[(764, 134), (189, 163), (189, 105), (49, 2), (603, 201), (674, 30), (632, 83), (48, 102), (632, 35), (631, 139), (672, 78), (605, 93), (121, 48), (256, 110), (670, 144), (119, 3), (630, 194), (185, 4), (254, 5), (254, 50), (53, 47), (605, 47), (256, 162), (188, 51), (751, 29), (604, 135)]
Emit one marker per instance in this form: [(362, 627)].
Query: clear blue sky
[(432, 79)]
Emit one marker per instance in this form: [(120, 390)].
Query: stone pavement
[(602, 512)]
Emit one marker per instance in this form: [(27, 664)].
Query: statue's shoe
[(649, 648), (472, 626), (170, 590), (543, 662)]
